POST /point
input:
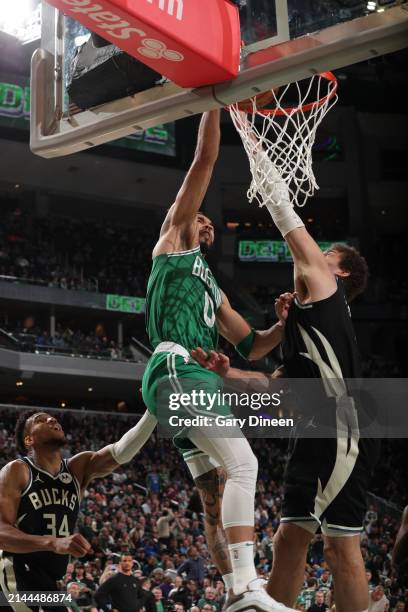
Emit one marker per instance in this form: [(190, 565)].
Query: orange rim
[(329, 76)]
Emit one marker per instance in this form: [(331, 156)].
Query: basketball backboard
[(283, 41)]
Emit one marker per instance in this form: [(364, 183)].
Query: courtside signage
[(191, 43)]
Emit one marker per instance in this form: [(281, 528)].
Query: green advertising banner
[(124, 303), (275, 251), (15, 112)]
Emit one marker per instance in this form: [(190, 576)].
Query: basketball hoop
[(279, 139)]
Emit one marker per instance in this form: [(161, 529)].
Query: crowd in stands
[(68, 340), (76, 254), (148, 513)]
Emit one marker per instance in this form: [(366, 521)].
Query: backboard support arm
[(52, 135)]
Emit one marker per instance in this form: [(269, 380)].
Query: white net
[(285, 134)]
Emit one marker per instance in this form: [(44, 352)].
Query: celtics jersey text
[(182, 300), (49, 506)]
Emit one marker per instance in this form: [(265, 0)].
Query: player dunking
[(186, 309), (39, 503)]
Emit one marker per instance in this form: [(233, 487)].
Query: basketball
[(263, 100)]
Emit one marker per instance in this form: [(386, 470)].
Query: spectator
[(87, 586), (220, 593), (149, 598), (325, 581), (193, 567), (153, 481), (163, 526), (378, 600), (209, 599), (180, 593), (122, 591), (307, 595), (158, 595), (319, 603), (73, 590), (166, 584), (193, 590)]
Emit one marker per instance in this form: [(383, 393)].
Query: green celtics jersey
[(182, 299)]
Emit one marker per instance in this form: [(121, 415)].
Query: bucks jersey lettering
[(48, 506), (182, 300)]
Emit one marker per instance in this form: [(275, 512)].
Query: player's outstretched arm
[(89, 465), (250, 344), (13, 480), (220, 364), (313, 277), (311, 269), (312, 274), (176, 232)]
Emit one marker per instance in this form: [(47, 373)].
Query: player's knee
[(238, 503), (291, 538), (340, 552), (210, 481), (330, 552), (251, 464), (244, 468)]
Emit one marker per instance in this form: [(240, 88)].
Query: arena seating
[(73, 254), (120, 514)]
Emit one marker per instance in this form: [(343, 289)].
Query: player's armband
[(245, 346)]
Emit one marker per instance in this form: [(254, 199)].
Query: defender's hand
[(213, 361), (75, 545), (282, 305), (279, 372)]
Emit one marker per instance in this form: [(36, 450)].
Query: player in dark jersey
[(326, 480), (40, 496)]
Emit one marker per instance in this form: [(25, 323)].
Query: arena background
[(76, 236)]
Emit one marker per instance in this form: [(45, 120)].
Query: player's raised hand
[(211, 360), (75, 545), (282, 305)]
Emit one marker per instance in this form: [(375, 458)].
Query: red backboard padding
[(191, 42)]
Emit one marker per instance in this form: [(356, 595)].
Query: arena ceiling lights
[(22, 19)]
